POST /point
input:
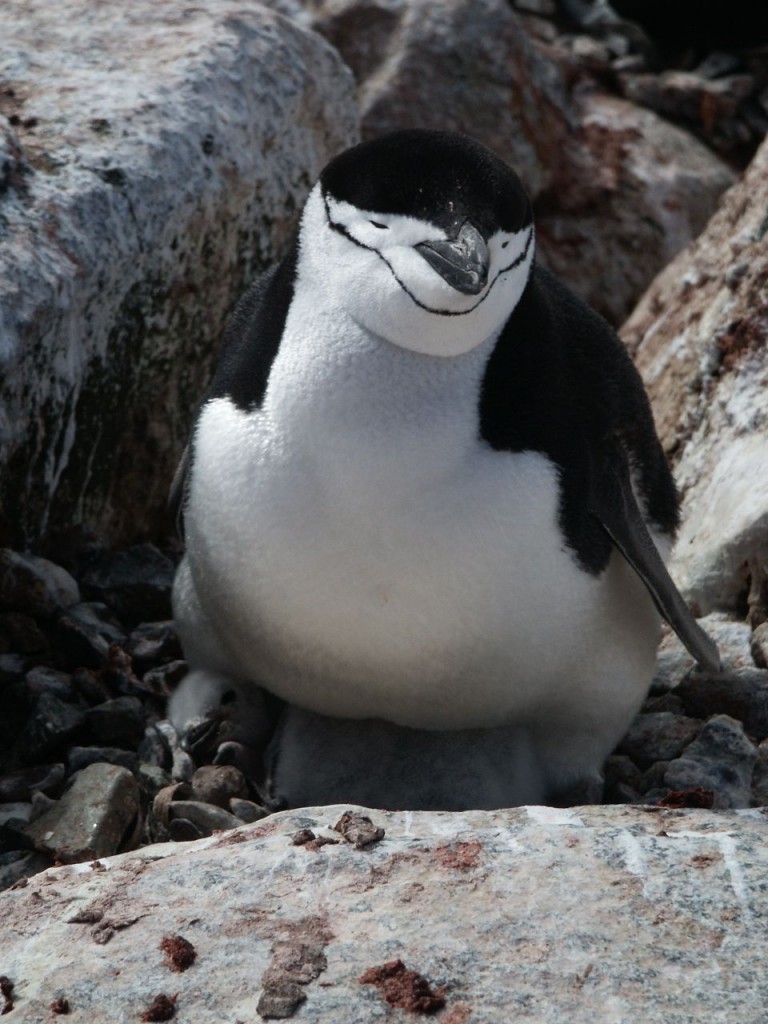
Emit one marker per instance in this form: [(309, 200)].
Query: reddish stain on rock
[(161, 1008), (404, 988), (179, 952), (695, 797), (60, 1005), (460, 856)]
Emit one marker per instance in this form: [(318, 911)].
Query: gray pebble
[(205, 817), (52, 724), (20, 784), (154, 643), (217, 784), (181, 830), (742, 694), (118, 722), (84, 633), (21, 634), (12, 667), (136, 583), (15, 812), (182, 765), (246, 810), (759, 645), (165, 678), (34, 585), (80, 757), (660, 736), (18, 864), (722, 759), (48, 680)]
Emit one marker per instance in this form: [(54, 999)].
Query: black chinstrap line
[(429, 309)]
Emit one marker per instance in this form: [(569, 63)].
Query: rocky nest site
[(91, 766)]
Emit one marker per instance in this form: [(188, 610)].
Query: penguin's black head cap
[(441, 177)]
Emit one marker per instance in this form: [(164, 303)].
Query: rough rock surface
[(699, 339), (152, 161), (587, 914)]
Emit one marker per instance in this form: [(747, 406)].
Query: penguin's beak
[(462, 260)]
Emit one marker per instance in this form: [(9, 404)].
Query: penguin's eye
[(376, 224), (505, 244)]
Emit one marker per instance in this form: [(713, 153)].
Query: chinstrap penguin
[(424, 505)]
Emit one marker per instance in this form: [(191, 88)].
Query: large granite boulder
[(152, 160), (699, 338), (589, 914)]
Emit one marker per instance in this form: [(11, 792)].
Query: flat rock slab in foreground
[(606, 914)]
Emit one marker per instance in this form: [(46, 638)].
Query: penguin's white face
[(439, 275)]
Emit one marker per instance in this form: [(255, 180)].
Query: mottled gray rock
[(51, 724), (118, 722), (150, 174), (94, 818), (743, 694), (136, 583), (205, 817), (519, 914), (759, 645), (16, 812), (721, 759), (152, 643), (247, 810), (80, 757), (659, 736), (698, 337), (217, 784), (34, 585), (85, 632), (633, 191), (20, 785)]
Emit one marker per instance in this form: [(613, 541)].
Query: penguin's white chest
[(365, 557)]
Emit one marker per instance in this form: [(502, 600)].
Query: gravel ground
[(89, 766)]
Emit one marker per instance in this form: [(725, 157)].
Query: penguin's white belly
[(357, 584)]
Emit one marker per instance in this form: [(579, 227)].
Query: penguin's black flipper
[(617, 510), (178, 493)]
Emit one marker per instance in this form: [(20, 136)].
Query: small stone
[(358, 829), (760, 776), (48, 680), (91, 686), (663, 702), (161, 805), (759, 645), (12, 667), (152, 779), (280, 1000), (722, 759), (15, 812), (41, 804), (181, 830), (153, 643), (742, 694), (660, 736), (21, 634), (653, 778), (153, 750), (34, 585), (16, 865), (182, 765), (80, 757), (205, 817), (118, 722), (92, 818), (246, 810), (137, 583), (217, 784), (52, 725), (84, 634), (620, 770), (20, 784), (163, 679)]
